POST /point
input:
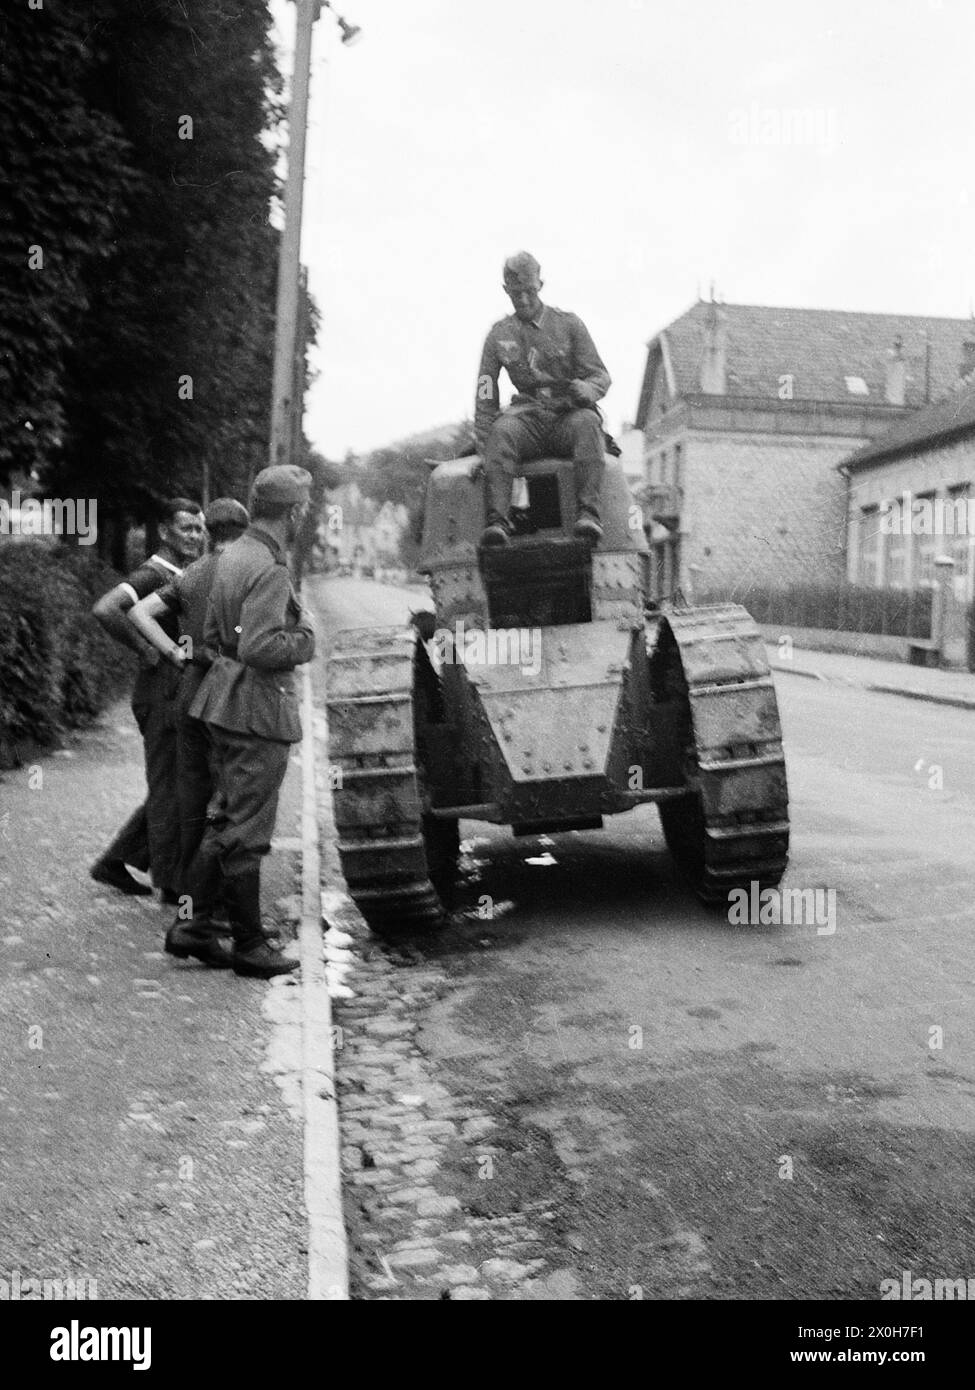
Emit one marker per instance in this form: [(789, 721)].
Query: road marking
[(328, 1258)]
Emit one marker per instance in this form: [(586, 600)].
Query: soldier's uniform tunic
[(248, 698), (541, 358)]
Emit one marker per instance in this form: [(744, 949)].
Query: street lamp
[(351, 33), (286, 400)]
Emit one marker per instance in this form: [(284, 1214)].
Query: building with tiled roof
[(911, 496), (746, 411)]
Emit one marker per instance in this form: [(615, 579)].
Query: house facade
[(358, 534), (911, 498), (747, 410)]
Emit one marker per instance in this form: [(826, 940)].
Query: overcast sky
[(816, 153)]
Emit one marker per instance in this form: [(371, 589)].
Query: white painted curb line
[(328, 1256)]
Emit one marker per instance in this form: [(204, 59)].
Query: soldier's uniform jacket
[(256, 628), (187, 595), (541, 358)]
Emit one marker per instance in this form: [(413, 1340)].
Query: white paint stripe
[(328, 1259)]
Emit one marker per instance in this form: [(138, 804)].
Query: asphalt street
[(723, 1111)]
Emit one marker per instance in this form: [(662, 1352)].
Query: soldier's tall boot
[(253, 955), (197, 935)]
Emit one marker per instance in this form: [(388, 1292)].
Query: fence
[(835, 608)]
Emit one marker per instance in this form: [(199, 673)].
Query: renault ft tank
[(546, 693)]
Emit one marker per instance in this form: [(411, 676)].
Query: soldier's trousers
[(194, 771), (248, 772), (150, 837), (532, 432), (131, 844)]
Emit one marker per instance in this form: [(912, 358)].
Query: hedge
[(58, 669)]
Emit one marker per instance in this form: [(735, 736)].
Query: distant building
[(746, 410), (911, 495), (360, 534)]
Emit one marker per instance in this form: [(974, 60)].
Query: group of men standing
[(218, 638)]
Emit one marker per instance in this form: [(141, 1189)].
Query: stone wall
[(762, 510)]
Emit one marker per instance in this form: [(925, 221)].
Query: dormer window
[(857, 386)]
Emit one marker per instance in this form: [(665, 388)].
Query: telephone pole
[(284, 406)]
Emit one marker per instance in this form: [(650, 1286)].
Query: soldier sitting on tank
[(558, 377)]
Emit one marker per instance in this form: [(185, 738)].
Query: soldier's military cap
[(227, 511), (283, 485)]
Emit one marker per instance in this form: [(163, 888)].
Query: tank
[(546, 693)]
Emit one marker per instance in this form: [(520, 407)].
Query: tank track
[(378, 792), (734, 828)]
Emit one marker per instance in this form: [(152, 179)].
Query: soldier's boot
[(199, 936), (202, 942), (203, 883), (253, 954), (114, 873)]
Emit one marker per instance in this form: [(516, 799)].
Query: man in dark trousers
[(186, 597), (150, 837), (558, 377), (259, 633)]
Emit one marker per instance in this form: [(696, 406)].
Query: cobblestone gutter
[(413, 1149)]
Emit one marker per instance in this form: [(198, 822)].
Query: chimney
[(967, 364), (714, 363), (895, 389)]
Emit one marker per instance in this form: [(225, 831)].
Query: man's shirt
[(541, 358), (153, 682)]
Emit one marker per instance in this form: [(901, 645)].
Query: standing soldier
[(186, 597), (150, 837), (260, 632)]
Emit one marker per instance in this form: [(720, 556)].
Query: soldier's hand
[(583, 392), (475, 468), (149, 657)]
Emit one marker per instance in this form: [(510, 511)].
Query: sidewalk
[(955, 688), (149, 1137)]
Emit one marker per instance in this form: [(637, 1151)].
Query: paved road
[(718, 1111)]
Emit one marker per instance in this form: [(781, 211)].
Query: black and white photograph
[(487, 669)]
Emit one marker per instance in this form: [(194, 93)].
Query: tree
[(172, 372), (399, 473), (68, 175), (138, 137)]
